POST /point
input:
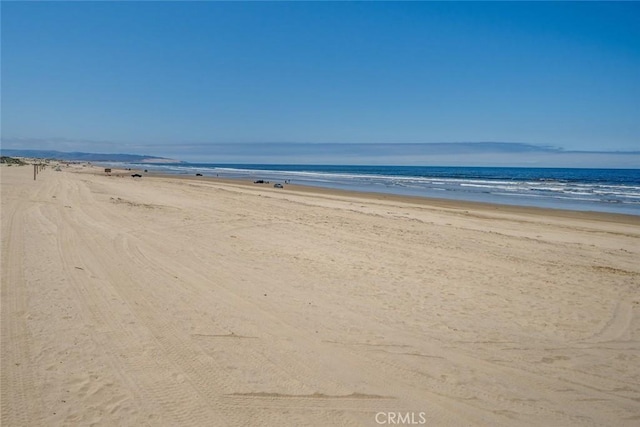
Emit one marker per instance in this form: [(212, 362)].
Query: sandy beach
[(163, 301)]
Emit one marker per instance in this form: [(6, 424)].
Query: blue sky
[(179, 79)]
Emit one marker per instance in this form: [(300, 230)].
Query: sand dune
[(179, 302)]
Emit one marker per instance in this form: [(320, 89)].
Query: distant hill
[(87, 157)]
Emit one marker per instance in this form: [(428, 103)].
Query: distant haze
[(507, 83), (429, 154)]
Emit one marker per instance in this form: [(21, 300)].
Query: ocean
[(601, 190)]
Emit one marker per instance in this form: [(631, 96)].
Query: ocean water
[(602, 190)]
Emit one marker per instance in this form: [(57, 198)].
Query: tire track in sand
[(17, 377), (309, 364), (133, 350)]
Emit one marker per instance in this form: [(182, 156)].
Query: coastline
[(179, 300), (426, 201), (597, 190)]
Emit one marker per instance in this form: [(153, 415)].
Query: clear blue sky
[(148, 77)]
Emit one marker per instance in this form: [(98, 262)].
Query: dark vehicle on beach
[(136, 175), (198, 174), (259, 181)]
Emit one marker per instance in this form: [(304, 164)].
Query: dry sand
[(177, 302)]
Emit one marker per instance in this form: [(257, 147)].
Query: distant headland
[(87, 157)]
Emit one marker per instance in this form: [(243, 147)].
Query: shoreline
[(426, 201), (443, 202), (509, 202)]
